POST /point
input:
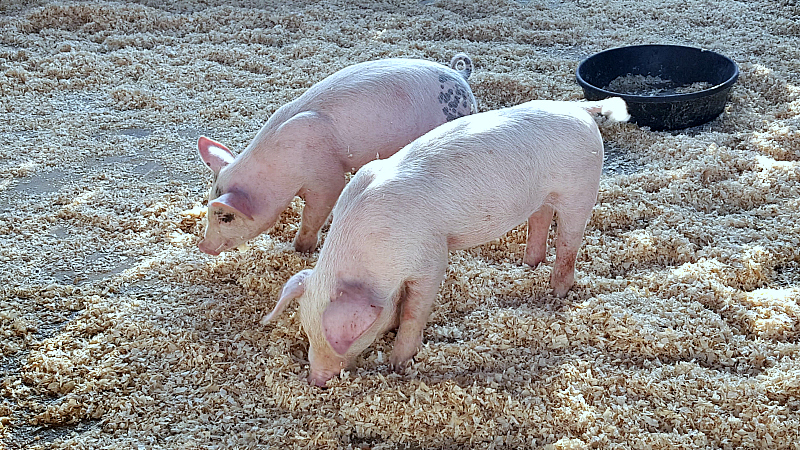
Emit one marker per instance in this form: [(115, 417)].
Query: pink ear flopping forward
[(353, 310), (214, 155), (233, 202), (293, 288)]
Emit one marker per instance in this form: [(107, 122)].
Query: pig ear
[(214, 155), (349, 315), (233, 202), (293, 288)]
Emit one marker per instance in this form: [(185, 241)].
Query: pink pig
[(362, 112), (463, 184)]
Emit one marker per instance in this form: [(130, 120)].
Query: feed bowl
[(666, 87)]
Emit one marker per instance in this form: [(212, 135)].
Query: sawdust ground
[(116, 332)]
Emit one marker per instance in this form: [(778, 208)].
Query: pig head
[(340, 317), (249, 192), (230, 215)]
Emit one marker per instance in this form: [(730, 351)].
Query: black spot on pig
[(454, 97), (225, 217), (444, 97)]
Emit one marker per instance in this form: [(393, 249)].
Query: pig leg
[(415, 310), (319, 203), (568, 240), (538, 229)]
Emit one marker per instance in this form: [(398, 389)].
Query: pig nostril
[(319, 380)]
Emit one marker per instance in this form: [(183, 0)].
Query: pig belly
[(484, 225), (379, 133)]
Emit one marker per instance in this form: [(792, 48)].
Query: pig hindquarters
[(365, 111), (462, 184)]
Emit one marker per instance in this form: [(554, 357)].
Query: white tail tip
[(614, 108)]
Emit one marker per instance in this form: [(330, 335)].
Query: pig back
[(377, 107), (479, 176)]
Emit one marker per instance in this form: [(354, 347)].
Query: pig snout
[(321, 373), (214, 246), (324, 365), (208, 248), (319, 378)]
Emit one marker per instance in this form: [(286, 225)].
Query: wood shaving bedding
[(681, 331)]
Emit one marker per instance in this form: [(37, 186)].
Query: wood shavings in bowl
[(116, 332), (653, 86)]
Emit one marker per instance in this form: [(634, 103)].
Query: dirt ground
[(116, 332)]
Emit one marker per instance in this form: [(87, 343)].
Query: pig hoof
[(304, 246), (532, 261), (561, 291), (399, 367)]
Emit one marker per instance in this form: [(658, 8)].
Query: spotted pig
[(363, 112)]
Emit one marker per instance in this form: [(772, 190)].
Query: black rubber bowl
[(677, 65)]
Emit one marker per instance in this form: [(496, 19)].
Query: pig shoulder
[(304, 138)]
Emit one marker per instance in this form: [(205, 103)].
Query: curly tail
[(614, 108), (462, 64)]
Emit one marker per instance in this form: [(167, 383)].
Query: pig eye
[(224, 217)]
